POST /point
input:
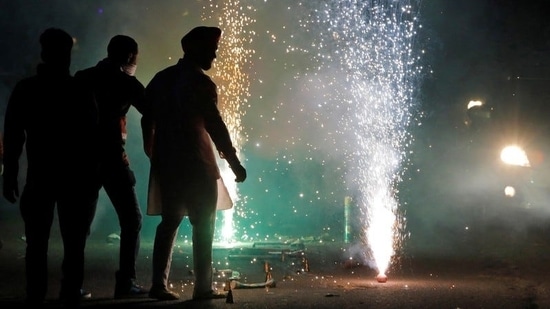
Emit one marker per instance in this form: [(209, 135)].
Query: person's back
[(44, 113), (115, 92), (183, 143), (45, 107), (115, 89), (178, 133)]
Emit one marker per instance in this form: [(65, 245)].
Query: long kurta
[(183, 158)]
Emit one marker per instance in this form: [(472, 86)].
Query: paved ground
[(496, 277)]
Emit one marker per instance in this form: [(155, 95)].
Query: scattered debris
[(234, 284), (113, 238)]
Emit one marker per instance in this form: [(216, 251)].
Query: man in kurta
[(180, 129)]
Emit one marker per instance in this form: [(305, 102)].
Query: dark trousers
[(118, 181), (75, 209)]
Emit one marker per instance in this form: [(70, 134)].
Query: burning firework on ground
[(366, 73), (361, 70)]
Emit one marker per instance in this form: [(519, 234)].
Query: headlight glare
[(514, 155)]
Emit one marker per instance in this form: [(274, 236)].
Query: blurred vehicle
[(509, 158)]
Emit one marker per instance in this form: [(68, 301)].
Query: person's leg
[(119, 184), (165, 238), (75, 212), (202, 216), (37, 210), (203, 236)]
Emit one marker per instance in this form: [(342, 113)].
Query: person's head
[(56, 47), (200, 45), (123, 50)]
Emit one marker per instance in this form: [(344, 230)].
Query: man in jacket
[(178, 130), (116, 89), (43, 113)]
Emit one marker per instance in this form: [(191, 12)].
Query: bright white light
[(514, 155), (509, 191), (371, 42), (474, 103)]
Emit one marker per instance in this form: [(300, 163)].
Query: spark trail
[(370, 46), (230, 73)]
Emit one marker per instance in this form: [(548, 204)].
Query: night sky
[(492, 50)]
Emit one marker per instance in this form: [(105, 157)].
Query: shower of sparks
[(354, 85), (367, 46), (230, 73)]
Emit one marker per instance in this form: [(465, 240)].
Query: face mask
[(129, 69)]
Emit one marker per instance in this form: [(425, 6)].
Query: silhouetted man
[(116, 89), (44, 114), (182, 122)]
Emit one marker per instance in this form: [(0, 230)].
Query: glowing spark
[(233, 82), (375, 42), (368, 55)]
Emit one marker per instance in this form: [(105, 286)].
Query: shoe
[(162, 293), (129, 290), (85, 294), (208, 295), (69, 301)]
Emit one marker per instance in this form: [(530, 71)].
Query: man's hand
[(11, 190), (235, 165), (239, 171)]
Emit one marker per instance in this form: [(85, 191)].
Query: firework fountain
[(371, 43), (369, 46), (367, 68)]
